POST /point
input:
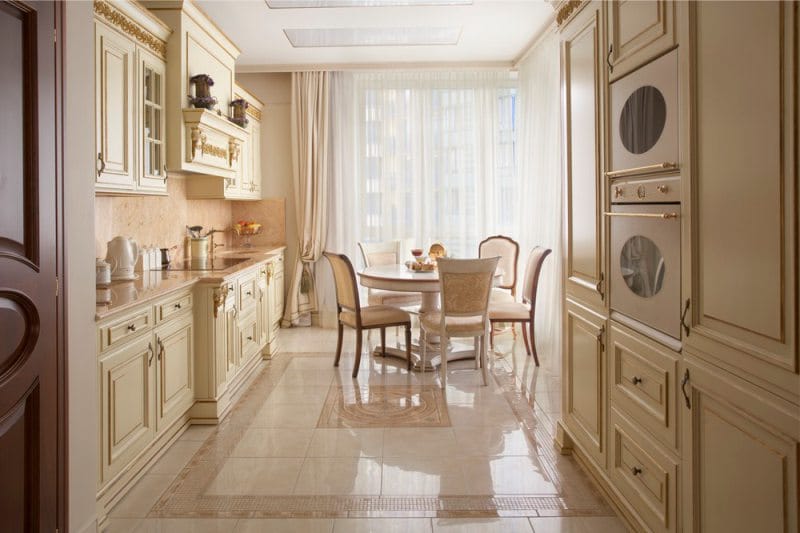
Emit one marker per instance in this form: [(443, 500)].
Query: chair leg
[(491, 335), (476, 345), (525, 338), (408, 347), (443, 366), (339, 345), (514, 330), (424, 342), (358, 353), (484, 370), (533, 344), (383, 342)]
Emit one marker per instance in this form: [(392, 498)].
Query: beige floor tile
[(295, 395), (600, 524), (198, 432), (306, 378), (342, 476), (346, 443), (482, 416), (187, 525), (382, 525), (121, 525), (287, 416), (419, 442), (240, 476), (176, 457), (273, 442), (311, 363), (506, 475), (290, 525), (422, 476), (141, 498), (481, 525), (492, 441)]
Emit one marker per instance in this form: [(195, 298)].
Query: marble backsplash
[(162, 220)]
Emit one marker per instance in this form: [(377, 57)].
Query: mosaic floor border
[(185, 497)]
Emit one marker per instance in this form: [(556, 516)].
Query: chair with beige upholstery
[(465, 285), (524, 311), (359, 318), (386, 253), (507, 249)]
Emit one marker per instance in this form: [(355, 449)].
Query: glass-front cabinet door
[(152, 172)]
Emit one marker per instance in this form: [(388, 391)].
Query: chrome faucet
[(213, 246)]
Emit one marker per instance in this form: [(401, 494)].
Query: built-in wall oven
[(645, 281)]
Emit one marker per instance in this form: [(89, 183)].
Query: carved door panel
[(30, 417)]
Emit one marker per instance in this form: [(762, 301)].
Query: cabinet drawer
[(643, 382), (122, 329), (248, 291), (644, 473), (173, 306), (248, 338)]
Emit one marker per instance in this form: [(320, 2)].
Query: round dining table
[(400, 278)]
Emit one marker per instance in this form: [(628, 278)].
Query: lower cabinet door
[(741, 448), (263, 309), (127, 398), (584, 380), (248, 339), (277, 293), (175, 345)]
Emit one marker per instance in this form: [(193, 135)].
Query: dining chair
[(387, 253), (525, 311), (507, 249), (351, 314), (465, 285)]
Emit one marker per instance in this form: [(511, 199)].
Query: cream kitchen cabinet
[(740, 454), (584, 385), (130, 89), (742, 243), (583, 90), (175, 370), (638, 31)]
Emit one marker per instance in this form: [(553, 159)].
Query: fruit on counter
[(247, 225)]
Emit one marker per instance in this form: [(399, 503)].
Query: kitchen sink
[(218, 263)]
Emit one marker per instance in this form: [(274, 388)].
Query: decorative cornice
[(253, 112), (129, 27), (566, 10)]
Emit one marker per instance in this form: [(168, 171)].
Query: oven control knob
[(618, 192), (641, 192)]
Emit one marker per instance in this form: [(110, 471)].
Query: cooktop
[(218, 263)]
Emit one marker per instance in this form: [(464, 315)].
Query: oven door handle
[(664, 216)]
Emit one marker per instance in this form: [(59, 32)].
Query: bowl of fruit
[(246, 229)]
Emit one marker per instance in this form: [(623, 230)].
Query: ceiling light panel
[(297, 4), (415, 36)]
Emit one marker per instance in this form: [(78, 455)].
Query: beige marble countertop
[(154, 284)]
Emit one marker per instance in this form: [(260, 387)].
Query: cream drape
[(310, 113)]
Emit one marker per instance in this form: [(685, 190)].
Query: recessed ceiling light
[(296, 4), (416, 36)]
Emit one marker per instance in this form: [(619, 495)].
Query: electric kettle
[(122, 255)]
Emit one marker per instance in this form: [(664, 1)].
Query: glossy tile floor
[(309, 449)]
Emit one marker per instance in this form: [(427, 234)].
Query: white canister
[(102, 272)]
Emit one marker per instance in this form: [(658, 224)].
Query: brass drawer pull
[(160, 349), (636, 380), (636, 471), (177, 305), (249, 338), (150, 357), (665, 216), (249, 293), (131, 327)]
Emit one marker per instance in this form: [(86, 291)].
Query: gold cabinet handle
[(686, 328), (102, 164), (641, 170), (131, 327), (665, 216), (160, 349), (599, 338), (684, 382), (150, 357)]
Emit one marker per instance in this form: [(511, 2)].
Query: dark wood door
[(30, 421)]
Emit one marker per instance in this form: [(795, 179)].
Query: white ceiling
[(492, 33)]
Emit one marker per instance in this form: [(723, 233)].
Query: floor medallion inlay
[(380, 406)]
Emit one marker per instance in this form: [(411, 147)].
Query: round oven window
[(642, 266), (642, 120)]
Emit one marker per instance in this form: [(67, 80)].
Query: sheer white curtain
[(540, 193), (421, 156)]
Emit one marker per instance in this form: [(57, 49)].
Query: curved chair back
[(532, 271), (345, 279), (466, 285), (380, 253), (507, 249)]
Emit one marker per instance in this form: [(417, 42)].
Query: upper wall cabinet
[(205, 144), (638, 31), (743, 284), (130, 50), (583, 83), (245, 184)]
